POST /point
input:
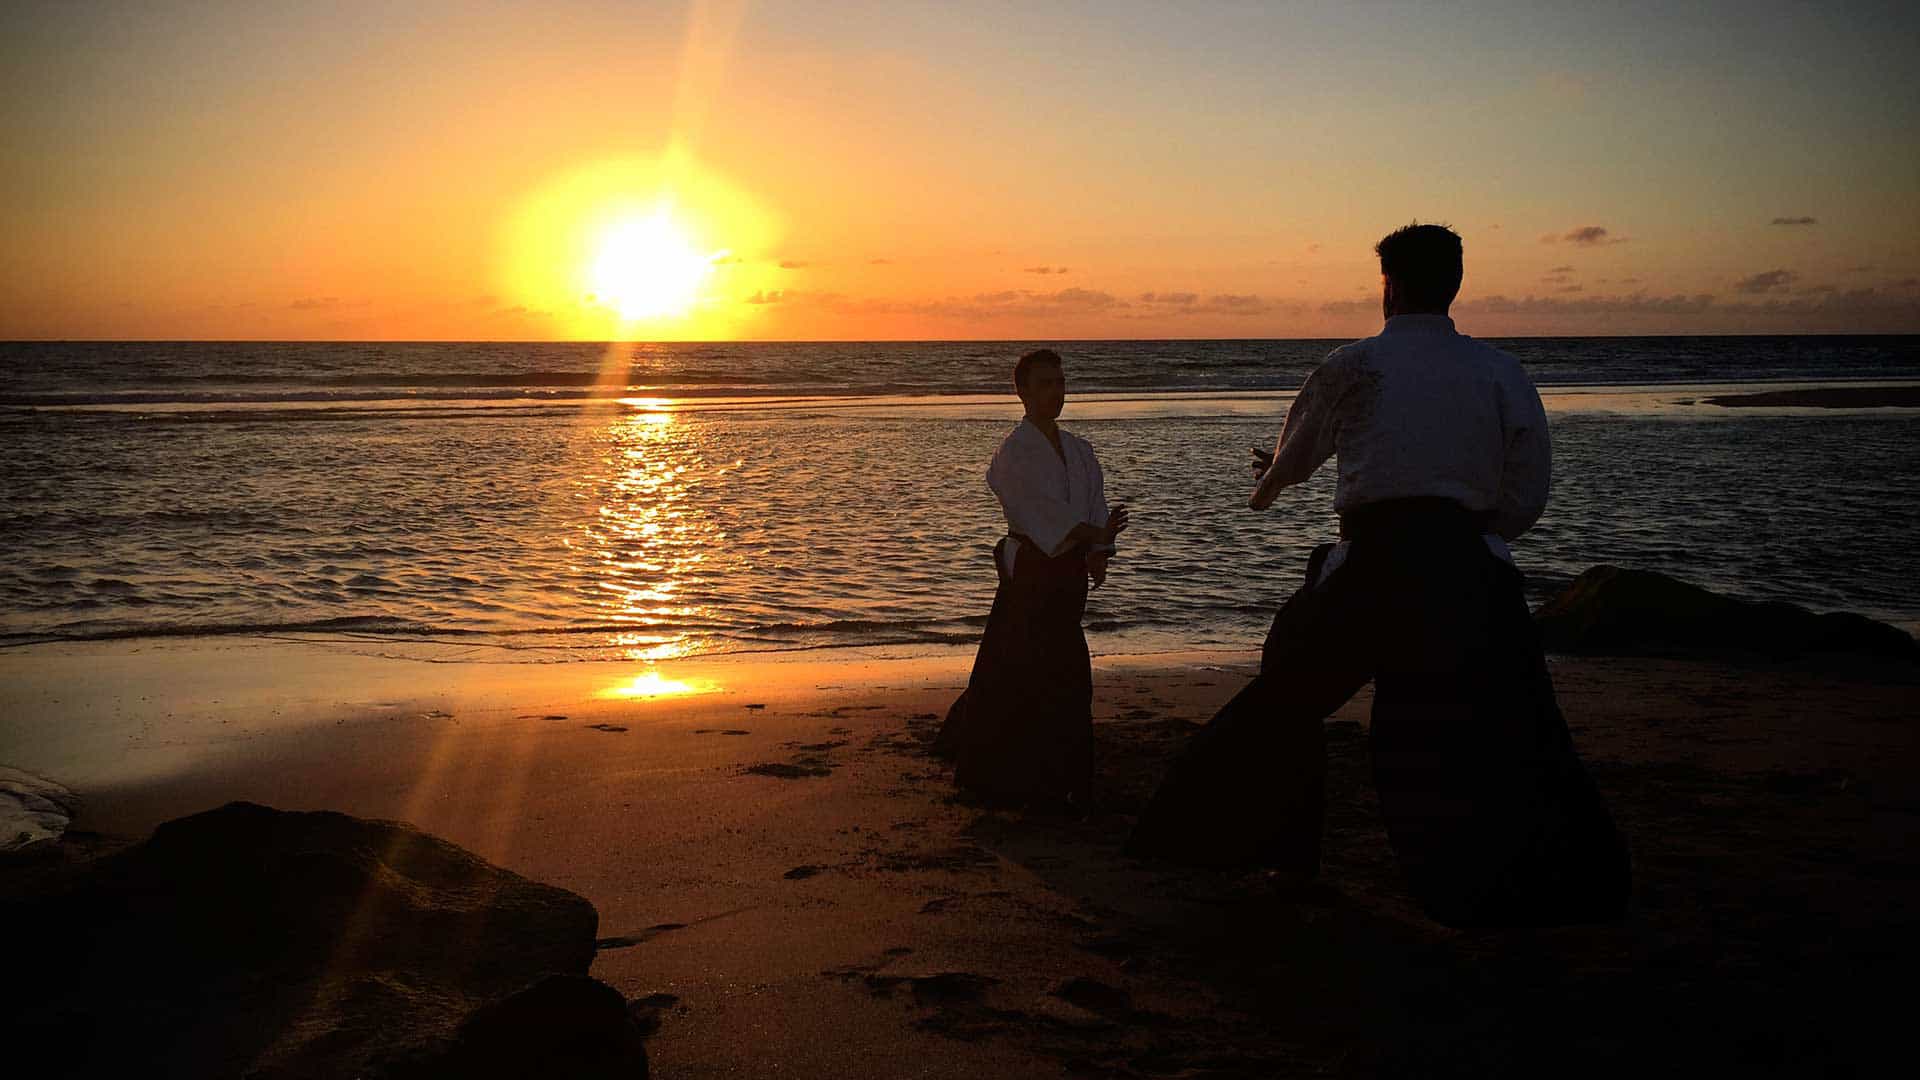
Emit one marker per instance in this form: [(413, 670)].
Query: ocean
[(539, 502)]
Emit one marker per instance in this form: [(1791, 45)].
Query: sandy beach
[(767, 841)]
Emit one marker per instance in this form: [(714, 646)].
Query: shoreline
[(1826, 392)]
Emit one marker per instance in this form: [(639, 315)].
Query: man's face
[(1045, 392)]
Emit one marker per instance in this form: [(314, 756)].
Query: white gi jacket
[(1420, 410), (1043, 496)]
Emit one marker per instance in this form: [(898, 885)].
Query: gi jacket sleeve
[(1527, 472), (1307, 438), (1097, 509), (1032, 499)]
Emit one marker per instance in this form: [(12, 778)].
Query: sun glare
[(647, 269), (630, 247)]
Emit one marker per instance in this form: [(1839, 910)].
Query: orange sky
[(795, 171)]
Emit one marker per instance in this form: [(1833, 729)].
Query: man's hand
[(1097, 568), (1262, 460), (1116, 521)]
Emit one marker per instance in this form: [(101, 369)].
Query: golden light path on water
[(643, 538)]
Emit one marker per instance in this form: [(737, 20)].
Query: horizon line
[(878, 341)]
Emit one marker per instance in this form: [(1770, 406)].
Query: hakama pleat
[(1022, 732)]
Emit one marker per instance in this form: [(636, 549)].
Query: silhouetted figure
[(1022, 732), (1443, 456)]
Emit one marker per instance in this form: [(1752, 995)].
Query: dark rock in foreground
[(246, 941), (1638, 612)]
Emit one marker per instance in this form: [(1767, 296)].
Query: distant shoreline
[(1825, 397)]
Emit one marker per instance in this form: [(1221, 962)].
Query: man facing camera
[(1021, 734), (1442, 458)]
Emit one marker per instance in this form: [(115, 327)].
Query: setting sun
[(649, 246), (646, 268)]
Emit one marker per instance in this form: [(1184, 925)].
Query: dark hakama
[(1488, 807), (1022, 732)]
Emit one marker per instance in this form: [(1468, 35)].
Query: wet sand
[(778, 852)]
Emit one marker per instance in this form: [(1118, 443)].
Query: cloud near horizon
[(1766, 282), (1822, 303), (1159, 304), (1044, 270), (1024, 303), (1794, 221)]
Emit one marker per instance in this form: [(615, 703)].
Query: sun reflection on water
[(651, 548)]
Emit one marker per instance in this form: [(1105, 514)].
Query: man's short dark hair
[(1025, 363), (1424, 262)]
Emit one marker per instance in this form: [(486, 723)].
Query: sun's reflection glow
[(651, 684)]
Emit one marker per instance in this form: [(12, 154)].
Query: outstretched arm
[(1306, 440)]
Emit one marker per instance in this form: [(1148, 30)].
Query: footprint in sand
[(628, 941), (783, 771)]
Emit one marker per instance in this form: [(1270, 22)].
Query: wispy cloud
[(1795, 221), (879, 262), (1585, 236), (1043, 269), (1766, 282), (980, 306), (1186, 303), (794, 264), (1598, 304), (1842, 308), (1029, 303)]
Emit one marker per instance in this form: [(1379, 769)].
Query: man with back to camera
[(1443, 457)]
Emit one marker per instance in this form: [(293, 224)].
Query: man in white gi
[(1443, 457), (1022, 733)]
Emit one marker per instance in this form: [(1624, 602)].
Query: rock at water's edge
[(1613, 610)]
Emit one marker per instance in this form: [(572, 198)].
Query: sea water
[(559, 501)]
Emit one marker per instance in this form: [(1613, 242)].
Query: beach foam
[(32, 809)]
